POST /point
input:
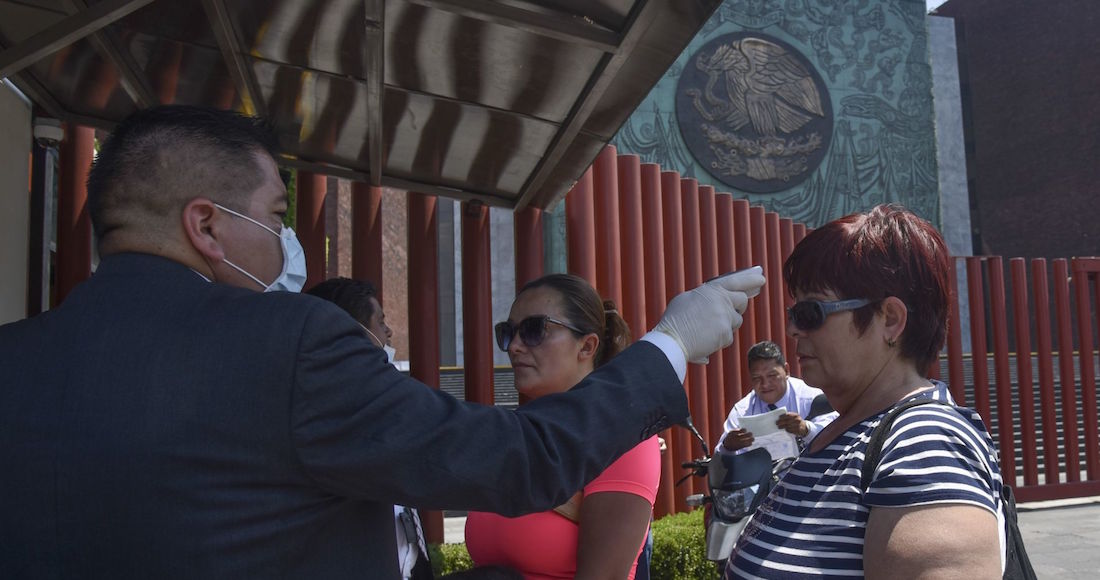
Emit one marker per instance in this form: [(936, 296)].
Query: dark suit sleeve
[(364, 430)]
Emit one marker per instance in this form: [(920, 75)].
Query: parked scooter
[(738, 483)]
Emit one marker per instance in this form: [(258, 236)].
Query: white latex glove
[(703, 319)]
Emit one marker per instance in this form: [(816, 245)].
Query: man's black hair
[(160, 158), (766, 350), (353, 296)]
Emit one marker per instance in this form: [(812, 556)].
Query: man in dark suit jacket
[(170, 421)]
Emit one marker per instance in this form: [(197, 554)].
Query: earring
[(891, 343)]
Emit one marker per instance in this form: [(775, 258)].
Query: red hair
[(888, 251)]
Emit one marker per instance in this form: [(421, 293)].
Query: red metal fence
[(1056, 311), (641, 236)]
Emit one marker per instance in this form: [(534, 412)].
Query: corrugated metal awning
[(507, 101)]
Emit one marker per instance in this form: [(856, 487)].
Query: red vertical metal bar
[(605, 178), (760, 248), (423, 294), (527, 229), (655, 299), (742, 231), (1045, 353), (653, 234), (693, 276), (775, 290), (978, 349), (1025, 395), (580, 229), (312, 188), (933, 371), (717, 406), (786, 246), (1006, 432), (1065, 365), (74, 225), (672, 217), (727, 262), (799, 232), (954, 339), (477, 303), (1088, 376), (366, 235), (632, 305)]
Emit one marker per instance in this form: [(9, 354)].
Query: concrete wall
[(950, 142), (15, 146), (951, 155)]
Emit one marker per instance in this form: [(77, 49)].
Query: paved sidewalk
[(1062, 537)]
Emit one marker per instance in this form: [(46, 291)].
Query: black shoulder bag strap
[(1017, 563), (873, 453)]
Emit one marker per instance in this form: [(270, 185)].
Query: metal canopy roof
[(506, 101)]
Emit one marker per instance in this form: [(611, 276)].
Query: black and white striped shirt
[(813, 522)]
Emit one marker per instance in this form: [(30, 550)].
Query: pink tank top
[(543, 546)]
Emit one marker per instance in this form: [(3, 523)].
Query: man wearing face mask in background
[(360, 300), (170, 420)]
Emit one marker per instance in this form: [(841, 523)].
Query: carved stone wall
[(811, 108)]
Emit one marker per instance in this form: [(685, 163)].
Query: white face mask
[(293, 276), (390, 351)]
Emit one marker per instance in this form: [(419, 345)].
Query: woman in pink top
[(557, 332)]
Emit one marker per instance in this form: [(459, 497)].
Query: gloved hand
[(702, 320)]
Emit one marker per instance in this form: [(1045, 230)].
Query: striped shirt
[(812, 524)]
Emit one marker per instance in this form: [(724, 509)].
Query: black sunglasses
[(810, 314), (530, 330)]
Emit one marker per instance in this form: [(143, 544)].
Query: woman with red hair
[(872, 295)]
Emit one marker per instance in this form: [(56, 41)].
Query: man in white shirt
[(773, 387)]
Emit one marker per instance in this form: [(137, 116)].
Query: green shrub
[(448, 558), (679, 551)]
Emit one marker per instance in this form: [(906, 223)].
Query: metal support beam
[(312, 189), (64, 33), (74, 225), (131, 77), (477, 303), (423, 307), (395, 182), (601, 79), (366, 236), (228, 38), (375, 46), (34, 91), (570, 28)]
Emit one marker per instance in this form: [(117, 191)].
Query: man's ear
[(198, 226), (895, 315)]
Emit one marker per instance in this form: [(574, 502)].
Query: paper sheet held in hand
[(778, 442)]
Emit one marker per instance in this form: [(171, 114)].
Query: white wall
[(15, 147)]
